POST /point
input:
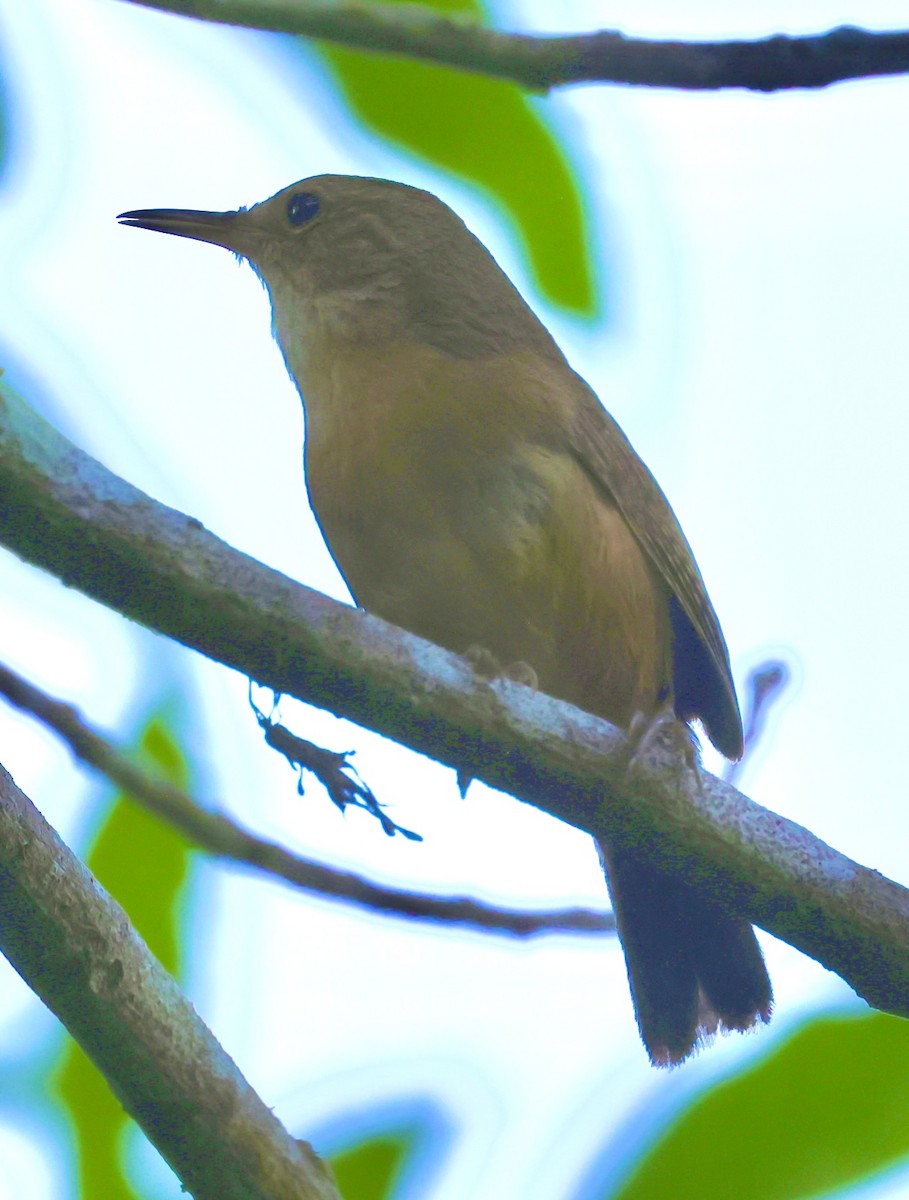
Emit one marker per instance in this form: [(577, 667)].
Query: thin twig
[(220, 836), (764, 686), (541, 62)]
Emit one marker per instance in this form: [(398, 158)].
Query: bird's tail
[(693, 968)]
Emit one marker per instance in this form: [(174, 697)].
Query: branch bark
[(64, 512), (541, 63), (75, 947)]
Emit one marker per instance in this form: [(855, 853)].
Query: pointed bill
[(233, 230)]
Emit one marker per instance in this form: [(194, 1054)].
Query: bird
[(472, 489)]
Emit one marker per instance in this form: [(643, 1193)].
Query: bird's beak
[(233, 230)]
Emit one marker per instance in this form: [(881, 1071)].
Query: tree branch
[(217, 834), (75, 947), (64, 512), (543, 62)]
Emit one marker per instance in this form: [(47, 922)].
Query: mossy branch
[(75, 947), (64, 512)]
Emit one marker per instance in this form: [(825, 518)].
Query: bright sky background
[(758, 362)]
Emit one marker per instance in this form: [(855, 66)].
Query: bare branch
[(218, 835), (63, 511), (540, 63), (75, 947)]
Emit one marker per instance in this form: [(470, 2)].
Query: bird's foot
[(487, 666), (663, 727)]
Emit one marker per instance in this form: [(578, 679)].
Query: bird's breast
[(453, 507)]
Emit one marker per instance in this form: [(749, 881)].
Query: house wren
[(472, 488)]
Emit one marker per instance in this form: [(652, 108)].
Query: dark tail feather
[(693, 969)]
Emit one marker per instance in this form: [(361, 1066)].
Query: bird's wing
[(609, 459)]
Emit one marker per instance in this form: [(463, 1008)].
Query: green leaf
[(487, 132), (827, 1109), (370, 1171), (143, 864), (141, 861)]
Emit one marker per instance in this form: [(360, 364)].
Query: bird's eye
[(302, 207)]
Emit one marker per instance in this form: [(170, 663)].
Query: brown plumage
[(472, 489)]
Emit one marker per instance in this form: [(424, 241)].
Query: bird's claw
[(487, 666), (663, 726)]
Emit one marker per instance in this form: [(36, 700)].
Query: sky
[(757, 361)]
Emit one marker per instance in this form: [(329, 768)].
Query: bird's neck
[(312, 329)]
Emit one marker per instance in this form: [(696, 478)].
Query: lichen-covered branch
[(541, 62), (219, 835), (75, 947), (63, 511)]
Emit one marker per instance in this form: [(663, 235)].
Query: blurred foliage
[(488, 133), (827, 1109), (143, 863), (371, 1170)]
